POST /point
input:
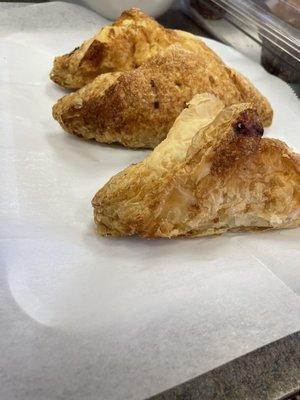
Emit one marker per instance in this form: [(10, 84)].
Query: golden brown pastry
[(138, 108), (131, 40), (213, 173)]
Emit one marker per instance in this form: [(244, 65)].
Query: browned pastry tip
[(137, 108), (212, 174)]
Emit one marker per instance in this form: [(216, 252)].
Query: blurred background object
[(273, 57), (112, 9), (266, 31)]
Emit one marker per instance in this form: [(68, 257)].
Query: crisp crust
[(140, 106), (68, 111), (213, 173), (123, 46)]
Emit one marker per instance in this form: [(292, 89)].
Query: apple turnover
[(212, 174), (138, 108), (123, 46)]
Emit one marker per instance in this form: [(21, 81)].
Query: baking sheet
[(85, 317)]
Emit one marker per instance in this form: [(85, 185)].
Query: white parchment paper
[(85, 317)]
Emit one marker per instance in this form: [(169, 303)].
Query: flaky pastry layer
[(212, 174)]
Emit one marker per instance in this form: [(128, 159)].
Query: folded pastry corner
[(137, 108), (213, 173), (123, 46)]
